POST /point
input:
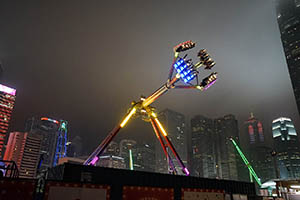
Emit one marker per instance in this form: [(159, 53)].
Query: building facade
[(257, 151), (24, 149), (7, 100), (228, 161), (54, 139), (213, 154), (287, 147), (204, 148), (145, 159), (175, 125), (288, 17), (112, 162)]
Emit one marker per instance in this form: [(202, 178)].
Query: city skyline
[(67, 70)]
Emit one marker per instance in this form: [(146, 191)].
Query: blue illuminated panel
[(185, 71)]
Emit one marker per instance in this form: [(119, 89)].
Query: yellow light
[(199, 87), (178, 75), (127, 117), (161, 127), (154, 115), (176, 54)]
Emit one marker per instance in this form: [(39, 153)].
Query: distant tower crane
[(251, 170), (186, 72)]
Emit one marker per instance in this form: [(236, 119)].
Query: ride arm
[(94, 157), (159, 92), (251, 170), (164, 133), (162, 143)]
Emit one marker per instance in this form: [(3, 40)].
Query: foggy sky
[(85, 61)]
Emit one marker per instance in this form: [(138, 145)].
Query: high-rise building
[(287, 146), (214, 156), (54, 142), (175, 125), (204, 147), (7, 100), (257, 150), (228, 161), (254, 130), (145, 160), (24, 149), (288, 17)]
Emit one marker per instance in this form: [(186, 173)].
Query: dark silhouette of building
[(175, 125), (288, 17), (204, 147), (145, 158), (214, 156), (75, 147)]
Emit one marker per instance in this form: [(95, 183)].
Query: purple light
[(7, 90), (186, 171), (95, 159), (210, 84)]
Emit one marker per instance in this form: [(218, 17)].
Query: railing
[(8, 169)]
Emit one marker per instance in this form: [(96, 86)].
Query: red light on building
[(7, 100), (50, 120)]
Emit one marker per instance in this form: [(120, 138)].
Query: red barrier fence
[(202, 194), (12, 189), (147, 193), (76, 191)]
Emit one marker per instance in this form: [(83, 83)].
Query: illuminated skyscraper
[(254, 130), (7, 100), (288, 17), (257, 150), (54, 134), (286, 144), (24, 149)]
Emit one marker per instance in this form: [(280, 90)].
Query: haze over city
[(85, 62)]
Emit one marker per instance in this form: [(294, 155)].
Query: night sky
[(85, 61)]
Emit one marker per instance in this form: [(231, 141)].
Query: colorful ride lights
[(186, 171), (185, 70), (208, 81), (184, 46), (206, 59)]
